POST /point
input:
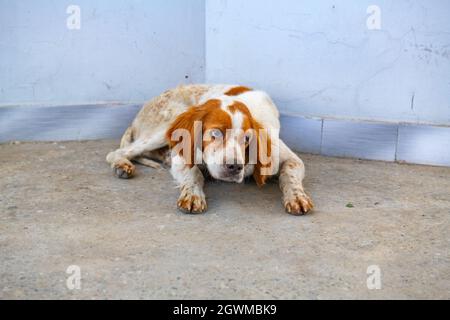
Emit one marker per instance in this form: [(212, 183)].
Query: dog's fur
[(220, 108)]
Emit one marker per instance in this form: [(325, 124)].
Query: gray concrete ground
[(60, 205)]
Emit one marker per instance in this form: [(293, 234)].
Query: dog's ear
[(183, 129), (181, 134), (264, 161)]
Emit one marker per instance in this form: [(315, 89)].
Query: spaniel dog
[(229, 132)]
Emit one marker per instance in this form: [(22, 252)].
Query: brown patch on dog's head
[(237, 91), (209, 113)]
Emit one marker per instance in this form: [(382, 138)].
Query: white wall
[(125, 51), (318, 58)]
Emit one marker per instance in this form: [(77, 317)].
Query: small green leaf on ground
[(349, 205)]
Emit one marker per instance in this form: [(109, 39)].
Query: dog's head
[(222, 135)]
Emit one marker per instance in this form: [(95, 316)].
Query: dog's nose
[(234, 168)]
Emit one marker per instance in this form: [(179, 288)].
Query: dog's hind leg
[(155, 158), (147, 162), (120, 160)]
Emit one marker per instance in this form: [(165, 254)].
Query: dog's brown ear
[(181, 134), (185, 123), (264, 161)]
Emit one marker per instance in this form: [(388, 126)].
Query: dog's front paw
[(298, 203), (124, 170), (192, 203)]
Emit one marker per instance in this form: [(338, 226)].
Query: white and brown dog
[(230, 132)]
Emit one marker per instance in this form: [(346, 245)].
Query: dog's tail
[(127, 138)]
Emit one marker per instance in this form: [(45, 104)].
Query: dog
[(227, 131)]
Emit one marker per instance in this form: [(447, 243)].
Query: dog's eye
[(216, 133)]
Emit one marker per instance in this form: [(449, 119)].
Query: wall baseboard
[(402, 142), (85, 122), (412, 143)]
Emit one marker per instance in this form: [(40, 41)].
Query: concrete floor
[(60, 205)]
